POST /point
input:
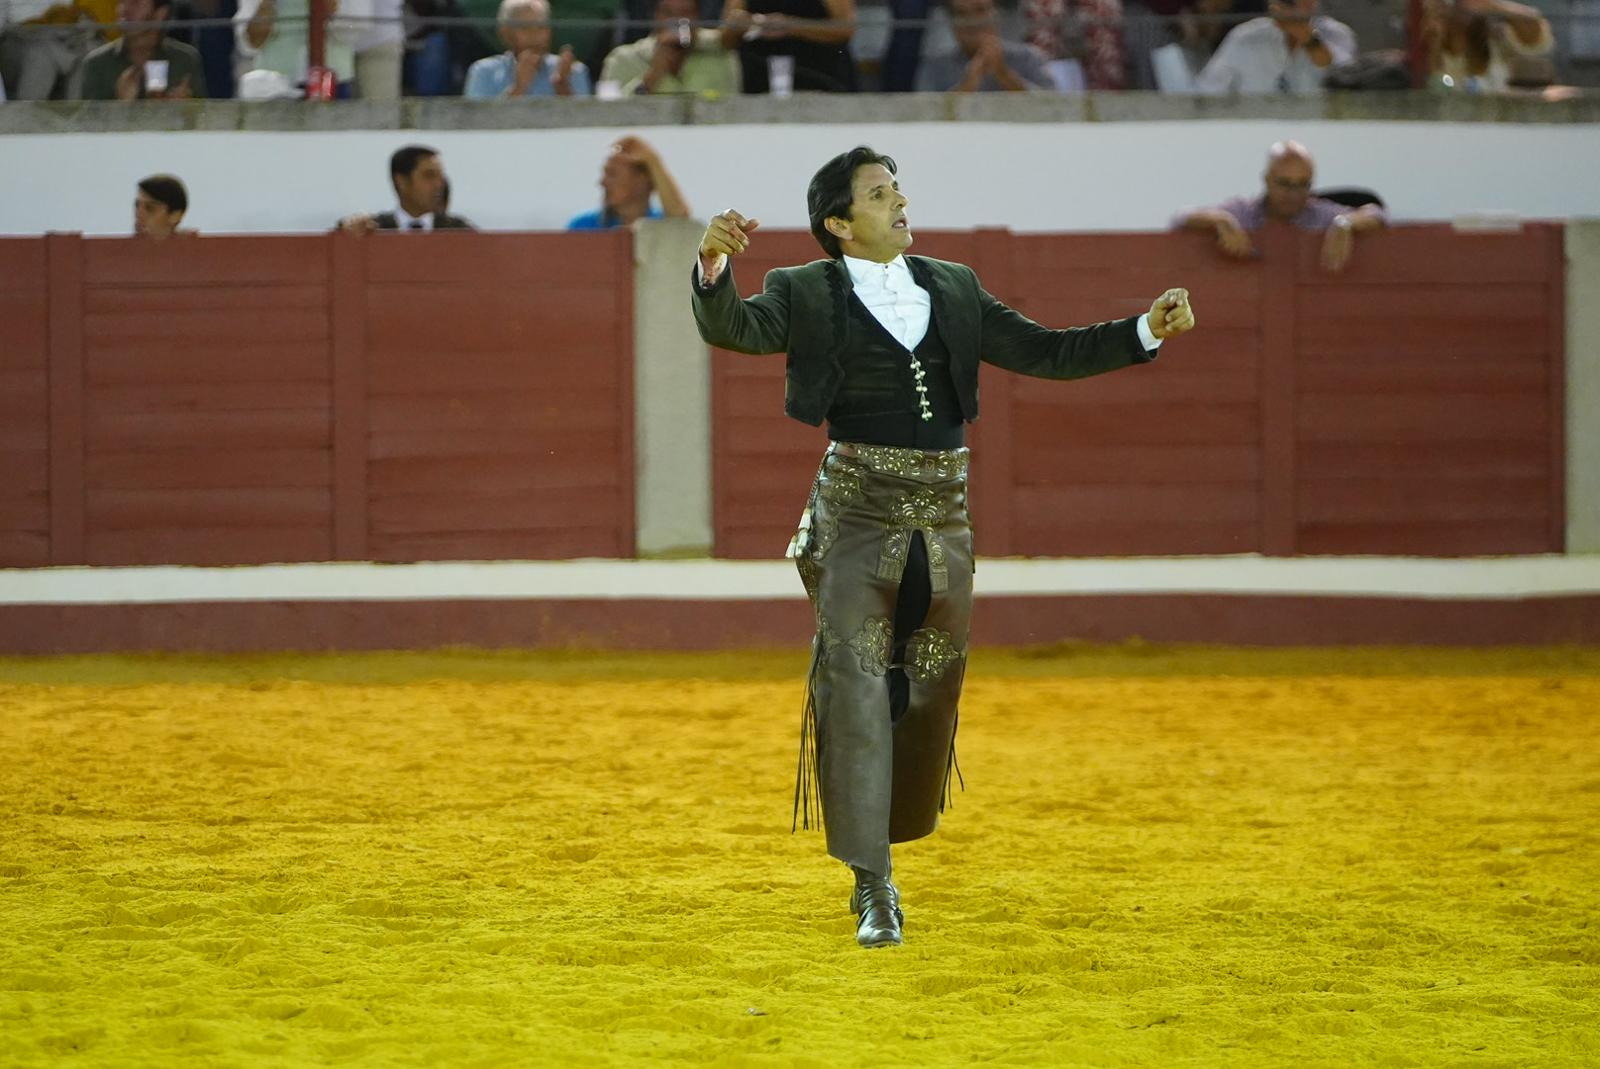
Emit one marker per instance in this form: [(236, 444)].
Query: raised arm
[(1013, 341), (757, 325)]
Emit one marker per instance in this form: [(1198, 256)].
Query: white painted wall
[(1029, 177)]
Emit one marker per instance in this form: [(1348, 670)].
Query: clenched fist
[(728, 234), (1171, 314)]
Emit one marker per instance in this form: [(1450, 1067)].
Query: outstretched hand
[(728, 234), (1171, 315)]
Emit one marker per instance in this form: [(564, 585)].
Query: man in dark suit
[(886, 348), (422, 189)]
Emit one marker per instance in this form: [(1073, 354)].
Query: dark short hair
[(168, 189), (405, 160), (832, 190)]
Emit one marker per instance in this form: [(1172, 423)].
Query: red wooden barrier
[(1410, 405), (24, 403), (246, 400)]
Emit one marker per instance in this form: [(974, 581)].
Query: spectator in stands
[(632, 172), (1099, 24), (678, 57), (271, 35), (43, 42), (1287, 199), (1169, 40), (527, 67), (376, 35), (809, 36), (143, 64), (981, 61), (1288, 51), (439, 54), (1485, 45), (423, 192), (158, 207)]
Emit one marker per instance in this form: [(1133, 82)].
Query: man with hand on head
[(526, 68), (631, 174), (885, 349), (421, 188), (1287, 199)]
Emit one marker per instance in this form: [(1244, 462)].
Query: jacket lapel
[(952, 309)]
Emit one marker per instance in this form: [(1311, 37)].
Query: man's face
[(1292, 10), (669, 12), (422, 189), (1288, 186), (623, 182), (152, 219), (139, 11), (877, 228), (973, 21), (527, 38)]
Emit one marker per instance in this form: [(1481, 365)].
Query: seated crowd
[(380, 49)]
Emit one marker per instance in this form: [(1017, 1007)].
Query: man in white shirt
[(885, 349), (1288, 51)]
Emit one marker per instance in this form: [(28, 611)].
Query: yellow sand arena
[(1163, 858)]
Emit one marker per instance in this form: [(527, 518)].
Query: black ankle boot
[(876, 904)]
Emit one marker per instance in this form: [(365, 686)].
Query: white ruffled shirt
[(893, 297)]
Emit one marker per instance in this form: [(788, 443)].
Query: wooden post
[(68, 538)]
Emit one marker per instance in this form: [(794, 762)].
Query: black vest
[(878, 402)]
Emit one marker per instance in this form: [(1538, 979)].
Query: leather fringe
[(808, 777), (952, 766)]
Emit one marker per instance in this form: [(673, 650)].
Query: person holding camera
[(679, 56), (143, 64), (1288, 51)]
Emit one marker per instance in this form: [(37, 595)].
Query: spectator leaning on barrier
[(158, 207), (527, 67), (271, 35), (1287, 199), (679, 56), (982, 62), (1288, 51), (43, 42), (1485, 45), (631, 173), (423, 192), (143, 64)]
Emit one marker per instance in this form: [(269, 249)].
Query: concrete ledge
[(640, 624), (687, 605), (439, 113)]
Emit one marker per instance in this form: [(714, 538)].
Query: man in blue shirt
[(632, 172), (526, 68)]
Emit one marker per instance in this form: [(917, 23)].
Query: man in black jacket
[(420, 186), (886, 349)]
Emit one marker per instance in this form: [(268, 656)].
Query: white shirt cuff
[(1147, 337)]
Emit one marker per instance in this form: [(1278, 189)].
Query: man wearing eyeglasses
[(1287, 199)]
